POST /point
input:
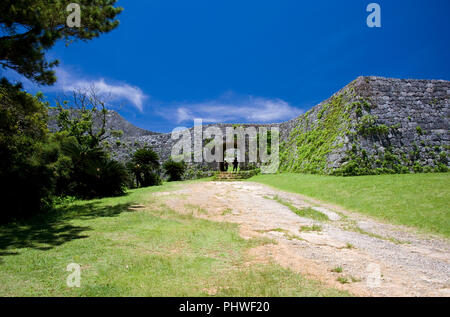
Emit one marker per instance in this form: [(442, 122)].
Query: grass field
[(148, 252), (417, 200)]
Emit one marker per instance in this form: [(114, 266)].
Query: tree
[(32, 161), (82, 123), (175, 170), (145, 167), (84, 117), (26, 174), (31, 27)]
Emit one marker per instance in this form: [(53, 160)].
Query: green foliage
[(361, 106), (359, 162), (87, 172), (312, 140), (338, 269), (419, 130), (32, 27), (84, 117), (116, 133), (112, 179), (174, 170), (342, 280), (442, 168), (145, 167), (321, 112), (26, 176), (198, 172), (34, 166), (367, 126)]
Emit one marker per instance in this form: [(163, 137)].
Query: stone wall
[(373, 125), (163, 143), (420, 109)]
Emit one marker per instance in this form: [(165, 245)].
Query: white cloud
[(230, 107), (69, 80), (116, 92)]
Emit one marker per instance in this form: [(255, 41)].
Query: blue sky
[(250, 61)]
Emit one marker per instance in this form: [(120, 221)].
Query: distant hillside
[(114, 122)]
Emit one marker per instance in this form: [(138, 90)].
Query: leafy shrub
[(112, 179), (145, 167), (88, 172), (417, 168), (174, 170), (442, 168), (443, 158)]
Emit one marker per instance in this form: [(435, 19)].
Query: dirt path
[(376, 259)]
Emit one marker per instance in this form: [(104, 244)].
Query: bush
[(152, 179), (145, 167), (112, 179), (86, 172), (174, 170), (442, 168)]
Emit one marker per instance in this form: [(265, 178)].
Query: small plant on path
[(311, 228), (343, 280)]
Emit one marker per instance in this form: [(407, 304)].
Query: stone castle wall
[(378, 124), (374, 123), (419, 109)]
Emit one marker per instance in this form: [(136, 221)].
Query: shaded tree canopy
[(28, 28)]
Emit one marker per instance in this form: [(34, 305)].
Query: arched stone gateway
[(250, 145), (230, 151)]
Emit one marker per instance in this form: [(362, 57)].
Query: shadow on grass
[(52, 229)]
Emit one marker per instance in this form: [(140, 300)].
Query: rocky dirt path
[(376, 259)]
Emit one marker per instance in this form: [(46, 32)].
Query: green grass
[(227, 211), (416, 200), (305, 212), (316, 228), (349, 246), (149, 251), (342, 280)]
